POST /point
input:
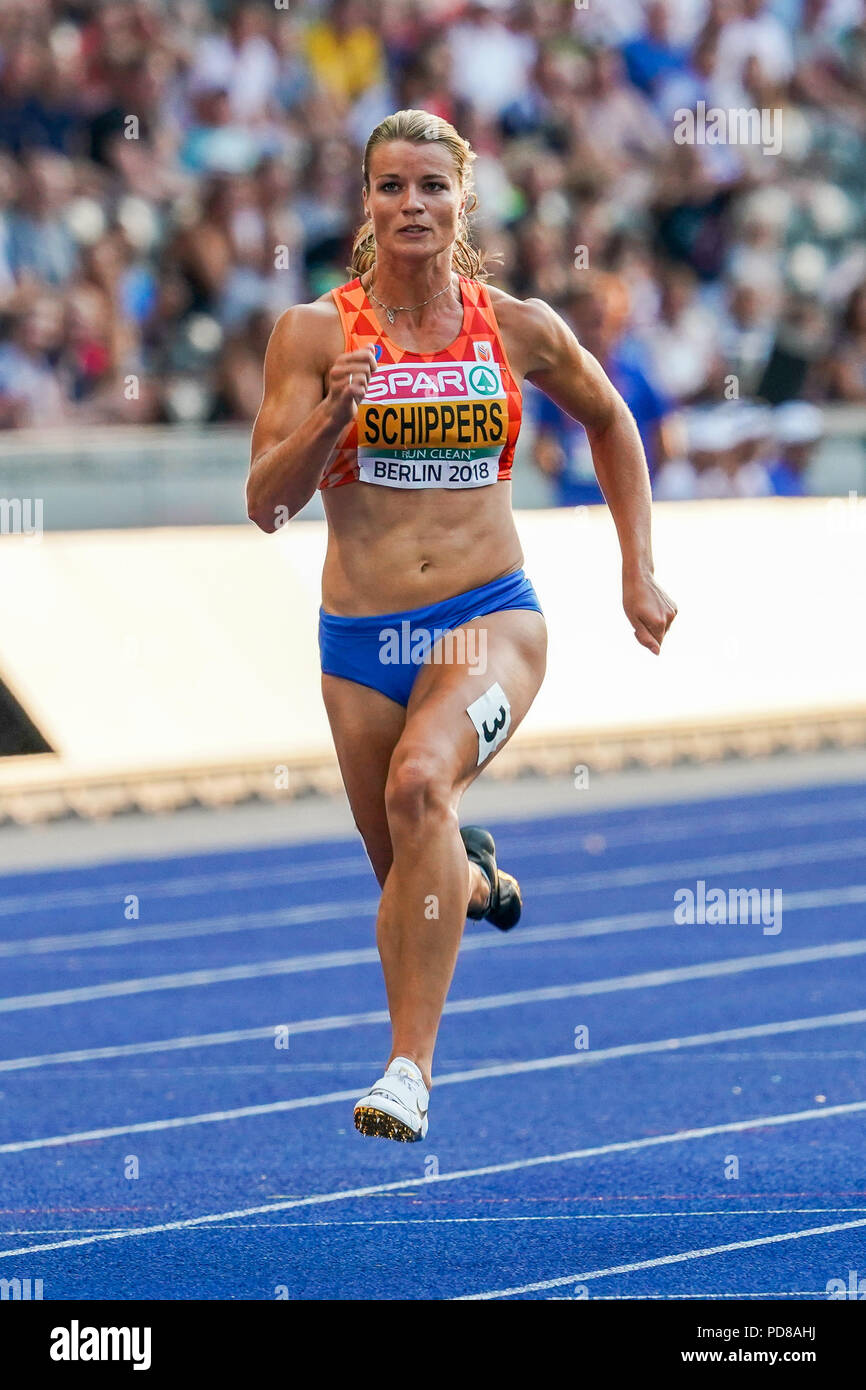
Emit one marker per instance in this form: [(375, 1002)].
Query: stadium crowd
[(173, 174)]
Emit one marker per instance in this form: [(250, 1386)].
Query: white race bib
[(433, 425)]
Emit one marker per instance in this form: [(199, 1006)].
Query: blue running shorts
[(386, 650)]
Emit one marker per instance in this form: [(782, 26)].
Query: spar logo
[(411, 381), (483, 381)]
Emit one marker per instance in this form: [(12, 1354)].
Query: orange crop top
[(446, 419)]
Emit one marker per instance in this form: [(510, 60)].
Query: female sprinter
[(398, 394)]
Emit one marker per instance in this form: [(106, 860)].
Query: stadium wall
[(168, 666)]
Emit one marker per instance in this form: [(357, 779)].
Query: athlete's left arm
[(573, 378)]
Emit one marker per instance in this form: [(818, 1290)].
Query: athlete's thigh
[(463, 711), (366, 727)]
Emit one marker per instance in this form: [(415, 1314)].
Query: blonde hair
[(421, 127)]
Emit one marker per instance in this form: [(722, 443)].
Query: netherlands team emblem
[(484, 352)]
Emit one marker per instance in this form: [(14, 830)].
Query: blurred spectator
[(36, 109), (9, 179), (241, 62), (345, 53), (681, 342), (491, 64), (847, 367), (294, 84), (623, 123), (31, 387), (728, 444), (799, 352), (726, 454), (173, 173), (798, 428), (596, 311), (41, 244), (694, 451), (215, 142), (755, 34), (689, 201), (653, 57), (745, 331), (751, 432)]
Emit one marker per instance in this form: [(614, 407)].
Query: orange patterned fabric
[(438, 411)]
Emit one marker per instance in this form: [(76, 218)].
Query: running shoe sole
[(378, 1125)]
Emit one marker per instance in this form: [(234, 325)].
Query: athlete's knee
[(381, 858), (419, 786)]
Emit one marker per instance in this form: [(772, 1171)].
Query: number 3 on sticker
[(491, 715)]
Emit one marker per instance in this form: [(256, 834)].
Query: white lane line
[(368, 955), (659, 831), (189, 1040), (485, 1073), (654, 830), (191, 979), (70, 1230), (494, 1220), (638, 874), (543, 994), (634, 876), (441, 1221), (664, 1260), (179, 931), (776, 1293), (490, 1170), (448, 1221), (181, 885)]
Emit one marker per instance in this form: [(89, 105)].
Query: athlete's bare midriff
[(390, 549)]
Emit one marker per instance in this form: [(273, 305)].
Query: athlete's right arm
[(299, 421)]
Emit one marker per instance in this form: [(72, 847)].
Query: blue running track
[(710, 1141)]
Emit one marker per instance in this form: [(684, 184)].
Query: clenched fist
[(348, 380), (648, 609)]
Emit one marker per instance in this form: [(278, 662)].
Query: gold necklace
[(406, 308)]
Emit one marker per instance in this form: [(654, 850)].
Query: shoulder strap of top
[(481, 320), (352, 305)]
